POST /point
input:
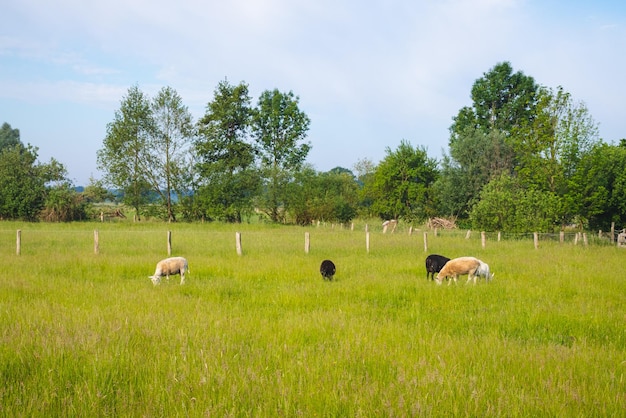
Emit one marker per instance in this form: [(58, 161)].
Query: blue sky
[(368, 73)]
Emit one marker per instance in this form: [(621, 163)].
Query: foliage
[(229, 180), (23, 182), (95, 192), (507, 205), (167, 166), (401, 184), (550, 146), (330, 197), (8, 136), (146, 149), (123, 156), (64, 204), (598, 188), (279, 128), (476, 157), (501, 100), (480, 137), (364, 171)]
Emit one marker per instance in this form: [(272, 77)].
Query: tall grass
[(263, 335)]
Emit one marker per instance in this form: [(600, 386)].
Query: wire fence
[(564, 237)]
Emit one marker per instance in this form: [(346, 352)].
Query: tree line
[(521, 157)]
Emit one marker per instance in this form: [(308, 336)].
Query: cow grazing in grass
[(471, 266), (434, 264), (170, 266)]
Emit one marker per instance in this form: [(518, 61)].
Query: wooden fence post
[(499, 236), (612, 231), (169, 243), (425, 241), (585, 239), (367, 241), (469, 232), (18, 250), (96, 242), (536, 240), (483, 239), (307, 242), (562, 237), (238, 243)]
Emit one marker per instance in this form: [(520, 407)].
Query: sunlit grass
[(87, 334)]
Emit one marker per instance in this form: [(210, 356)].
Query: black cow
[(434, 264), (327, 269)]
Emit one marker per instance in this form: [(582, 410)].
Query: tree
[(9, 136), (279, 128), (507, 205), (330, 196), (23, 182), (551, 144), (64, 204), (481, 147), (95, 192), (402, 184), (167, 160), (365, 170), (226, 158), (598, 188), (124, 153), (476, 157), (501, 100)]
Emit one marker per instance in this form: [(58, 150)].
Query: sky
[(369, 74)]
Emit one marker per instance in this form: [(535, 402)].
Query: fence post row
[(580, 236)]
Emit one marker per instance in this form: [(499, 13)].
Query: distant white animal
[(483, 271), (170, 266), (471, 266)]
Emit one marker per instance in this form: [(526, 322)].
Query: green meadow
[(262, 335)]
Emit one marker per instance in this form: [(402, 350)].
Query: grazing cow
[(434, 264), (327, 269), (170, 266), (471, 266)]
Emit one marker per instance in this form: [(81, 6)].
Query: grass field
[(262, 335)]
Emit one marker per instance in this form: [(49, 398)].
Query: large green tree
[(481, 146), (550, 145), (401, 187), (229, 180), (124, 154), (24, 182), (167, 165), (501, 100), (598, 188), (279, 128)]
